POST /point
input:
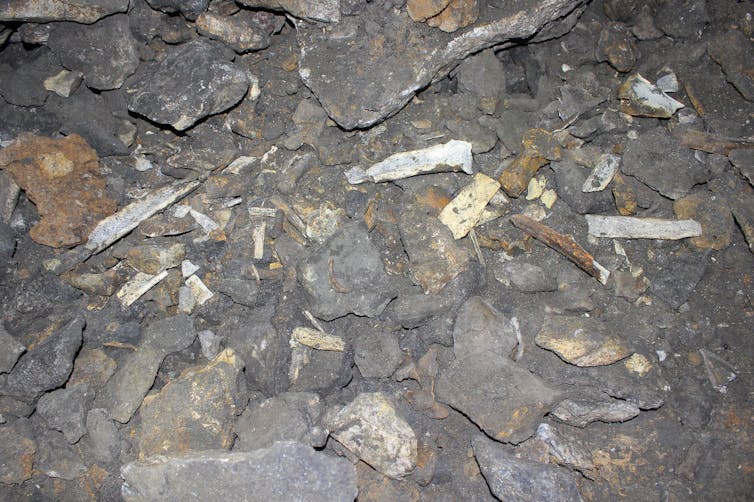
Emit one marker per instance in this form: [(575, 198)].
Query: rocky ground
[(376, 250)]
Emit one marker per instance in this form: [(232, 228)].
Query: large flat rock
[(367, 67)]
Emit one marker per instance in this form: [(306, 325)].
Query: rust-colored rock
[(458, 14), (713, 213), (421, 10), (62, 178), (538, 148)]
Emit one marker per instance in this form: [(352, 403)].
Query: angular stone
[(371, 429), (327, 11), (435, 257), (657, 159), (616, 46), (377, 354), (479, 327), (239, 31), (21, 81), (171, 424), (64, 83), (105, 52), (209, 84), (12, 350), (502, 398), (421, 10), (320, 371), (62, 178), (715, 217), (43, 11), (581, 412), (674, 273), (642, 99), (537, 148), (17, 448), (510, 478), (458, 14), (241, 291), (47, 365), (730, 51), (407, 56), (581, 341), (153, 258), (527, 277), (56, 458), (482, 75), (290, 416), (346, 276), (126, 389), (284, 471), (64, 410), (190, 9), (103, 437)]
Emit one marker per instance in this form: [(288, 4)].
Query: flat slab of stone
[(284, 471), (504, 399), (43, 11), (374, 72), (582, 341)]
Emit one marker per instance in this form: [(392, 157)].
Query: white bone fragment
[(454, 155), (647, 99), (317, 339), (461, 214), (257, 236), (602, 174), (204, 221), (200, 290), (628, 227), (264, 212), (188, 269), (138, 286)]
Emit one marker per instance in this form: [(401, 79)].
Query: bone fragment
[(627, 227), (461, 214), (138, 286), (317, 339)]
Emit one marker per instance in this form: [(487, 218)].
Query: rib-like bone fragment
[(627, 227), (454, 155), (563, 244), (138, 286), (317, 339)]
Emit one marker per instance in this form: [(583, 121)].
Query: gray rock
[(17, 448), (320, 371), (285, 471), (56, 458), (683, 19), (47, 365), (190, 9), (105, 52), (377, 354), (581, 412), (239, 31), (21, 78), (732, 51), (195, 411), (482, 75), (529, 278), (64, 410), (502, 398), (103, 438), (743, 159), (480, 327), (12, 350), (658, 159), (570, 178), (210, 84), (290, 416), (674, 274), (241, 291), (327, 11), (43, 11), (510, 478), (210, 343), (346, 276), (370, 427), (7, 246), (126, 389), (413, 56)]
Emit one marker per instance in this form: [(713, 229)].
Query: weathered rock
[(47, 365), (290, 416), (376, 353), (64, 410), (126, 389), (482, 76), (171, 424), (370, 427), (716, 219), (458, 14), (570, 180), (103, 438), (62, 178), (581, 341), (64, 83), (435, 257), (56, 458), (502, 398), (510, 478), (462, 213), (689, 25), (640, 98), (327, 11), (346, 276), (480, 327), (12, 350), (105, 52), (565, 449), (527, 277), (21, 81), (104, 284), (154, 257), (190, 9), (284, 471), (538, 147), (210, 84), (320, 371), (743, 159), (407, 56), (239, 31), (43, 11), (241, 291), (674, 273), (616, 46), (17, 448), (581, 412), (658, 160)]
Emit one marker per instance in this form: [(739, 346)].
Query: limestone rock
[(64, 410), (210, 84), (17, 448), (580, 412), (370, 428), (715, 217), (190, 9), (11, 352), (56, 458), (238, 31), (480, 327), (195, 411), (582, 341), (502, 398), (327, 11), (43, 11), (284, 471), (62, 178)]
